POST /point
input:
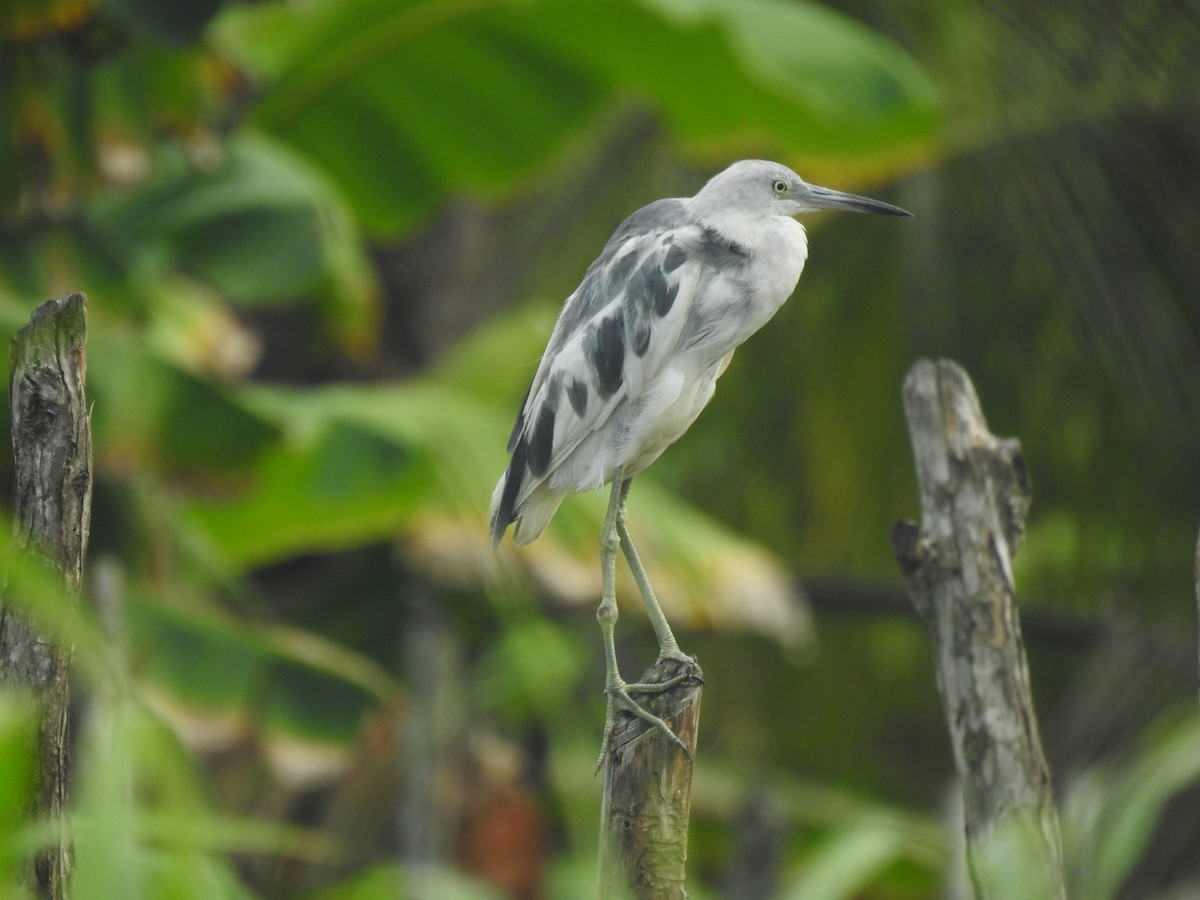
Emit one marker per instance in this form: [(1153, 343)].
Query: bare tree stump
[(647, 797), (51, 431), (958, 570)]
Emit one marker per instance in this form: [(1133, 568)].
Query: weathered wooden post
[(958, 570), (647, 797), (51, 432)]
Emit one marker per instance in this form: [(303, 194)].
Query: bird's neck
[(755, 234)]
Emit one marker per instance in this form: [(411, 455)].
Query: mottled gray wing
[(606, 277), (601, 283), (599, 348)]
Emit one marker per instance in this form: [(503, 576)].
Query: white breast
[(732, 305)]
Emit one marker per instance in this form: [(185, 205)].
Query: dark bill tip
[(826, 198)]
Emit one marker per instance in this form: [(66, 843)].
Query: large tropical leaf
[(223, 682), (410, 103), (257, 223)]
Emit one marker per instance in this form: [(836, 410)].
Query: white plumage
[(636, 352)]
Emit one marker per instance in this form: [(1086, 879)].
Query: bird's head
[(757, 187)]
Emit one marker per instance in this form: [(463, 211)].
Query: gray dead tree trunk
[(52, 447), (958, 570), (647, 798)]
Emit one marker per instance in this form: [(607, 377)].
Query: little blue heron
[(635, 356)]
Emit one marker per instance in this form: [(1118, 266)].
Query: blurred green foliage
[(270, 204)]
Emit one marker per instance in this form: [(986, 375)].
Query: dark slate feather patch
[(506, 512), (542, 442), (577, 393), (664, 301), (619, 270), (640, 338), (720, 253), (637, 317), (641, 297), (605, 347), (675, 258), (553, 389)]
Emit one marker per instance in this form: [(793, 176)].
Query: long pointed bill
[(816, 197)]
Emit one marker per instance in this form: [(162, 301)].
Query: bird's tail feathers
[(501, 510), (506, 494), (535, 515)]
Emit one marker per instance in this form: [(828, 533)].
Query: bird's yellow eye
[(780, 186)]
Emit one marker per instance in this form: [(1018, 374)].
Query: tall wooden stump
[(51, 432), (958, 570), (647, 798)]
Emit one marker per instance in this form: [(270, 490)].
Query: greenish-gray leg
[(667, 646), (615, 688)]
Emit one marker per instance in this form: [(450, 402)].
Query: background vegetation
[(324, 243)]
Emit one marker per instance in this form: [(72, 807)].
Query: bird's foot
[(618, 698)]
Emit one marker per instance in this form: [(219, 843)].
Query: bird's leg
[(615, 688), (667, 646)]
